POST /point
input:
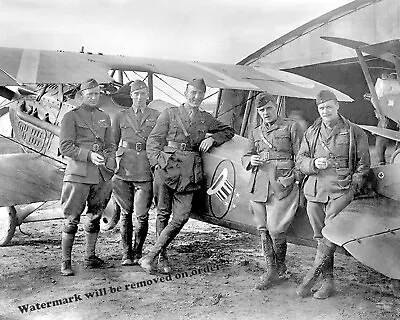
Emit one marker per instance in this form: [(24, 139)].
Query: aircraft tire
[(8, 222), (110, 216), (395, 158)]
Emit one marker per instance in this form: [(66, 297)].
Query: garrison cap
[(137, 85), (263, 98), (89, 84), (198, 84), (324, 96)]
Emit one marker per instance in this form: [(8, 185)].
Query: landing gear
[(8, 222), (395, 158)]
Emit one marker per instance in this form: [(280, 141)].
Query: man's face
[(194, 97), (268, 112), (139, 97), (329, 110), (91, 97)]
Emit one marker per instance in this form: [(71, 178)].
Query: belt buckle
[(95, 147), (183, 146), (138, 146)]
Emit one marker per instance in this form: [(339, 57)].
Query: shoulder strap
[(89, 125), (133, 122), (267, 142), (180, 122), (324, 144)]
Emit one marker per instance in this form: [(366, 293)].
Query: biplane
[(47, 84)]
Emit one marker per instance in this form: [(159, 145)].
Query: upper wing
[(43, 66), (224, 76), (27, 66)]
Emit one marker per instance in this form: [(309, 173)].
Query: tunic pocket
[(343, 138), (344, 183), (163, 159), (282, 140), (78, 168), (310, 186)]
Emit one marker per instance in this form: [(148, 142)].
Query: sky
[(209, 30)]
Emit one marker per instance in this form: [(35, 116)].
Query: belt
[(183, 146), (266, 156), (338, 163), (95, 147), (138, 146)]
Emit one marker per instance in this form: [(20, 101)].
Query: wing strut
[(246, 115), (367, 75), (151, 85)]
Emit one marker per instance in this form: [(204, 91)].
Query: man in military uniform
[(334, 155), (132, 183), (273, 185), (173, 148), (86, 141)]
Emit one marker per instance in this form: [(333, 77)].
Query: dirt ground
[(215, 270)]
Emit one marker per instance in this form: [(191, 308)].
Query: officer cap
[(137, 85), (198, 84), (324, 96), (263, 98), (89, 84)]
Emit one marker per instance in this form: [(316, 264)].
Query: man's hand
[(206, 144), (255, 160), (97, 159), (321, 163)]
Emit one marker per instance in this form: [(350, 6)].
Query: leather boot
[(271, 273), (126, 240), (165, 238), (141, 230), (67, 241), (322, 257), (163, 263), (91, 260), (327, 285), (280, 247)]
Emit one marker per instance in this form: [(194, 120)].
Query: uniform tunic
[(132, 183), (83, 130), (274, 194), (178, 163), (131, 157), (330, 190), (180, 166)]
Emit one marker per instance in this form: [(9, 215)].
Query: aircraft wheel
[(395, 158), (8, 222), (110, 216)]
